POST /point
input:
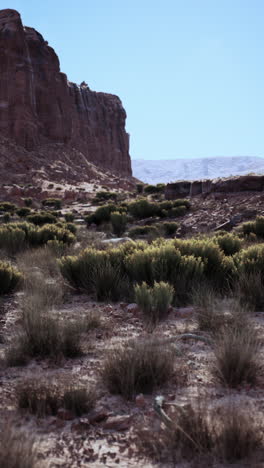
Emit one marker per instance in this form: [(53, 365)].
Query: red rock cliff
[(38, 105)]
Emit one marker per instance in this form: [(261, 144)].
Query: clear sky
[(190, 73)]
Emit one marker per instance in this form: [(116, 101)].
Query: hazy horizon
[(190, 73)]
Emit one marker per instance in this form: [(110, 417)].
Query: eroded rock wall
[(38, 105)]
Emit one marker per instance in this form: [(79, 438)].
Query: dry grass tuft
[(137, 367), (237, 357), (239, 435), (42, 398), (17, 449)]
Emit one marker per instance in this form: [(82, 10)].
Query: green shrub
[(229, 243), (119, 222), (101, 215), (94, 272), (9, 278), (259, 226), (159, 188), (104, 196), (219, 270), (41, 218), (154, 302), (6, 218), (182, 202), (28, 201), (71, 227), (140, 188), (248, 228), (49, 232), (12, 239), (178, 211), (69, 217), (143, 231), (142, 208), (53, 202), (7, 206), (22, 212), (255, 227), (170, 228), (137, 367)]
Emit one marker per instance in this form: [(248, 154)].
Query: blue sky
[(190, 73)]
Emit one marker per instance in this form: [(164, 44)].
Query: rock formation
[(39, 108), (246, 183)]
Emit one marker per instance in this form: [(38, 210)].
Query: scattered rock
[(185, 311), (140, 400), (65, 415), (118, 423), (132, 308), (98, 415)]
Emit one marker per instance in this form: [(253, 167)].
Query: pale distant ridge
[(155, 171)]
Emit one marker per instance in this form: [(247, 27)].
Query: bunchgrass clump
[(42, 398), (237, 359), (137, 367), (17, 448), (239, 434)]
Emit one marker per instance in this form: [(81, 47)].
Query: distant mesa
[(48, 123), (156, 171)]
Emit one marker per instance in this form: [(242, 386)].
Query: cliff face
[(38, 106)]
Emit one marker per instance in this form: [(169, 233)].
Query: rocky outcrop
[(39, 107), (237, 184)]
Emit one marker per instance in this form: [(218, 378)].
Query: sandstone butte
[(50, 127)]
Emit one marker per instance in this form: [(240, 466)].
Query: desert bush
[(17, 448), (104, 196), (178, 211), (41, 218), (236, 355), (170, 228), (140, 188), (143, 231), (9, 278), (119, 222), (70, 227), (229, 243), (6, 218), (8, 207), (69, 217), (142, 208), (101, 215), (154, 302), (159, 188), (219, 270), (23, 212), (182, 202), (28, 201), (53, 202), (137, 367), (12, 240), (50, 232)]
